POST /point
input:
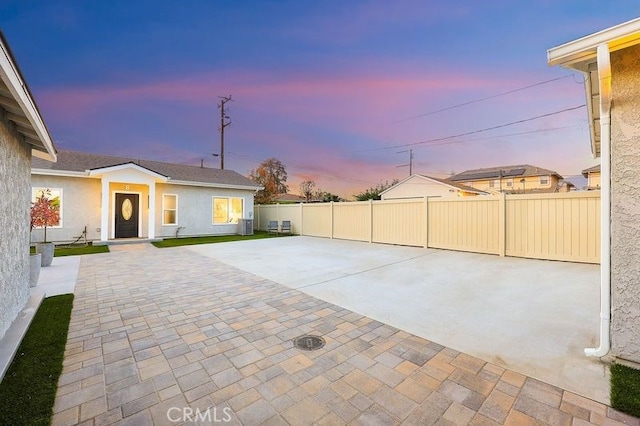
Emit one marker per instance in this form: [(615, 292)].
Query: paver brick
[(307, 411)]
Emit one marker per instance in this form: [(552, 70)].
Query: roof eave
[(583, 50), (581, 55), (109, 169), (215, 185), (42, 144)]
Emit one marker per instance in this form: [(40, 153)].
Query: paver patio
[(162, 336)]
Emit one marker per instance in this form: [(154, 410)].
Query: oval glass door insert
[(127, 209)]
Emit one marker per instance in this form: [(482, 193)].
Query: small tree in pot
[(45, 213)]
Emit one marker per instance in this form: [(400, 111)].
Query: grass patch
[(176, 242), (76, 251), (625, 389), (28, 390)]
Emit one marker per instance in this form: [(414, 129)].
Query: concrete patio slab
[(531, 316)]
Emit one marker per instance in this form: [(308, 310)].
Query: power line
[(301, 167), (486, 129), (502, 136), (481, 99)]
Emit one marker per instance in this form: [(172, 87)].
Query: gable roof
[(81, 163), (445, 182), (594, 169), (20, 107), (521, 170), (582, 55)]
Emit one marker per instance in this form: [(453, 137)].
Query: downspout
[(604, 79)]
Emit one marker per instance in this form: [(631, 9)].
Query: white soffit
[(581, 55)]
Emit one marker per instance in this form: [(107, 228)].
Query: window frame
[(509, 183), (164, 209), (546, 181), (229, 214)]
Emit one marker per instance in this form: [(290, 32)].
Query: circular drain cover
[(308, 342)]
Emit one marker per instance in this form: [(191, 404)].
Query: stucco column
[(104, 210), (152, 210)]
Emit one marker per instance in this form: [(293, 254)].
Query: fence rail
[(541, 226)]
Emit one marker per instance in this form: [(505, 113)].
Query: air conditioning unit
[(245, 226)]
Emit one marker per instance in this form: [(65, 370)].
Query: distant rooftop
[(521, 170), (592, 169)]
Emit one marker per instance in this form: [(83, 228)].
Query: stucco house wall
[(14, 222), (195, 210), (625, 203), (81, 203), (80, 207)]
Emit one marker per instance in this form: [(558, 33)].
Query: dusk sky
[(333, 89)]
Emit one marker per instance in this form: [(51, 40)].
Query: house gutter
[(604, 81)]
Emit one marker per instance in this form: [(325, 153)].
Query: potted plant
[(45, 213)]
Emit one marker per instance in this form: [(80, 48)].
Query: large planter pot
[(46, 250), (35, 263)]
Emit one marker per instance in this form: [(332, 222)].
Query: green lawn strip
[(176, 242), (62, 250), (75, 251), (625, 389), (28, 390)]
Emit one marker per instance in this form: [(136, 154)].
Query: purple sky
[(333, 89)]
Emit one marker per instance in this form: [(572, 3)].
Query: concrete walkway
[(169, 336)]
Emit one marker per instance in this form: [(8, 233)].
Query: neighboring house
[(419, 186), (22, 132), (117, 197), (289, 198), (593, 177), (610, 63), (518, 179)]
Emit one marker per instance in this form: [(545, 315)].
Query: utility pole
[(223, 124), (410, 151)]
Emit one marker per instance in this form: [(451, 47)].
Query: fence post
[(256, 217), (331, 207), (370, 220), (301, 219), (426, 222), (502, 225)]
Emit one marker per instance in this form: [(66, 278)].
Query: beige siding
[(400, 222), (470, 224), (418, 187)]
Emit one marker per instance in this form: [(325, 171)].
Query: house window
[(169, 209), (492, 183), (227, 210), (544, 180), (53, 194), (509, 183)]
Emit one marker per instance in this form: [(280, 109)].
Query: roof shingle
[(75, 161)]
